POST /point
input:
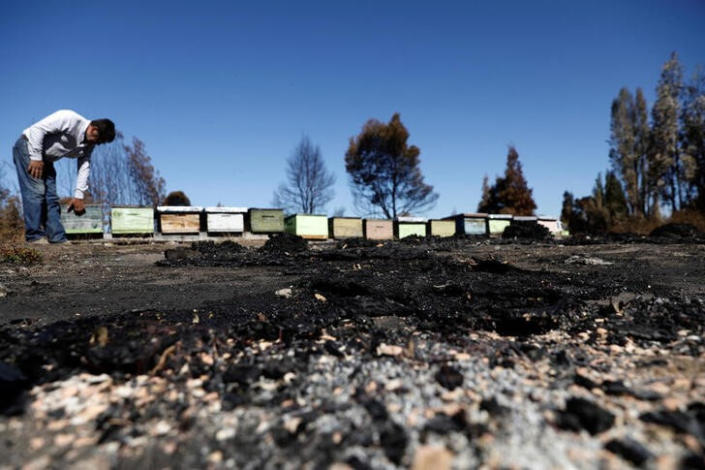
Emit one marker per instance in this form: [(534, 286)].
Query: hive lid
[(468, 215), (179, 209), (221, 209)]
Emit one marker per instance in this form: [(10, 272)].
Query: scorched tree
[(384, 171)]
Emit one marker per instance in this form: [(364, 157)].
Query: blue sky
[(221, 92)]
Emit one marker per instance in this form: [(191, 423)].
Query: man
[(64, 133)]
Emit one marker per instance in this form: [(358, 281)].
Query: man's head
[(100, 131)]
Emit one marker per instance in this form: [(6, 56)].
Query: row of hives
[(191, 220)]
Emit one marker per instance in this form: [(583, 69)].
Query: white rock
[(284, 293), (225, 434)]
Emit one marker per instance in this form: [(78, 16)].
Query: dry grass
[(689, 216), (19, 255), (638, 225), (644, 226)]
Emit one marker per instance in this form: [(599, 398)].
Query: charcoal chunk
[(629, 450), (582, 414)]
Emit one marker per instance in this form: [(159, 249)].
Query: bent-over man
[(64, 133)]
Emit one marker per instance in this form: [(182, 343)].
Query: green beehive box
[(409, 226), (132, 220), (265, 220), (89, 223), (345, 227), (441, 228), (496, 223), (312, 227)]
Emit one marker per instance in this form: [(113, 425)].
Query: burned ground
[(368, 354)]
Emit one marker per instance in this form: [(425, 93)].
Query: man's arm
[(84, 170)]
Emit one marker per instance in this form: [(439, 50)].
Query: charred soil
[(365, 354)]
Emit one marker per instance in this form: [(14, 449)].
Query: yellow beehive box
[(345, 227), (179, 219), (441, 228)]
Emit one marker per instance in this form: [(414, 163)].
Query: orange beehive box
[(378, 229)]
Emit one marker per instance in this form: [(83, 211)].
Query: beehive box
[(496, 223), (345, 227), (225, 219), (179, 219), (441, 228), (311, 227), (473, 223), (551, 223), (408, 226), (265, 220), (525, 218), (378, 229), (87, 224), (131, 220)]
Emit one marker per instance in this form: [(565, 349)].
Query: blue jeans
[(40, 202)]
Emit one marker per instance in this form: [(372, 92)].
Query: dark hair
[(106, 130)]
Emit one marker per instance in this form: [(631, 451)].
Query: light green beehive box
[(89, 223), (441, 228), (132, 220), (345, 227), (312, 227), (496, 223), (408, 226), (265, 220)]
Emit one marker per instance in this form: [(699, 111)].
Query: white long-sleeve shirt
[(62, 134)]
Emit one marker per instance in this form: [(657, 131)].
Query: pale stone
[(215, 457), (393, 385), (284, 293), (36, 443), (225, 434), (162, 428), (292, 424), (389, 350), (432, 458), (39, 463)]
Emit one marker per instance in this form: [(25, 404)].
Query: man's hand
[(36, 169), (77, 207)]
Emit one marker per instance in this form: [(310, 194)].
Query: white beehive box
[(225, 219)]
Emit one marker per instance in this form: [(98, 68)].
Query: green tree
[(615, 200), (629, 143), (693, 136), (642, 138), (623, 146), (567, 209), (510, 194), (384, 171), (665, 165)]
